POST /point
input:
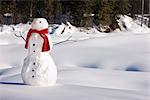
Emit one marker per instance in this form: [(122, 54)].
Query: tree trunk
[(149, 16), (0, 6), (31, 9), (14, 11), (142, 12)]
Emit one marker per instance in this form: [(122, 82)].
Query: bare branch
[(19, 36), (64, 41)]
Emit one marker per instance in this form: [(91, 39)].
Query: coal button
[(34, 63)]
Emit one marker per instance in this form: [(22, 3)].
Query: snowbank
[(64, 31), (7, 33), (131, 25)]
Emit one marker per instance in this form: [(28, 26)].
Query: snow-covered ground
[(91, 65)]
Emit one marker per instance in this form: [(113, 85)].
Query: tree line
[(79, 12)]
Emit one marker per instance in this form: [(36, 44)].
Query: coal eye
[(40, 21)]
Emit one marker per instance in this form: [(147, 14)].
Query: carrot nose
[(34, 22)]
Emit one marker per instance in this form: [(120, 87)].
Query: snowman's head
[(39, 23)]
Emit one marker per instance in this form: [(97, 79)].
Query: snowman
[(39, 68)]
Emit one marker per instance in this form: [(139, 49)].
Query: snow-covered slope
[(110, 68), (67, 92), (91, 65)]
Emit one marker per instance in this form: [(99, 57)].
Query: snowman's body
[(39, 68)]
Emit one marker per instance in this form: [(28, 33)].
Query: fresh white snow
[(93, 66)]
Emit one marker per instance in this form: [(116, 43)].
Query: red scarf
[(42, 33)]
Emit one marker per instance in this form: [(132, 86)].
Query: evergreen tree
[(107, 10), (78, 13), (104, 10), (49, 7), (57, 11), (86, 19), (39, 10), (82, 12), (121, 7), (105, 13), (96, 10)]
